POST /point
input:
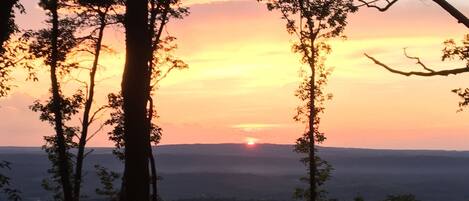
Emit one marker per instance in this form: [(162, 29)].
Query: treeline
[(76, 29)]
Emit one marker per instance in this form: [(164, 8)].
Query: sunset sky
[(242, 75)]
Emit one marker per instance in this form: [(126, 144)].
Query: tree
[(89, 19), (317, 21), (135, 90), (52, 45), (160, 64), (95, 15)]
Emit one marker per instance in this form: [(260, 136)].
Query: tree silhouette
[(135, 90), (160, 64), (78, 32), (52, 46), (312, 22), (95, 15)]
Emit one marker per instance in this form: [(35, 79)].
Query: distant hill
[(269, 172)]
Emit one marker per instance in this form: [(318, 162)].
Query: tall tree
[(91, 14), (81, 30), (160, 64), (313, 22), (135, 90), (52, 45)]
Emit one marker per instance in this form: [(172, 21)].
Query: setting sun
[(251, 141)]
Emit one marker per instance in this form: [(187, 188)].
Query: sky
[(242, 76)]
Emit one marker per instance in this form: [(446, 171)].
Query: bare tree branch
[(371, 4), (429, 72), (458, 15), (418, 61), (453, 12)]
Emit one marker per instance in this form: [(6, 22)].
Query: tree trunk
[(154, 178), (135, 90), (86, 113), (312, 116), (63, 160)]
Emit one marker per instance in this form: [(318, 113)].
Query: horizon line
[(332, 147)]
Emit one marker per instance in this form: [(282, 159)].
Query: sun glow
[(251, 141)]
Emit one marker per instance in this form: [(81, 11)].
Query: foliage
[(5, 186), (14, 55), (454, 51), (116, 120), (358, 198), (107, 179), (404, 197), (70, 107), (11, 27), (12, 49)]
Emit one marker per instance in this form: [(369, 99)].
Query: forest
[(63, 57)]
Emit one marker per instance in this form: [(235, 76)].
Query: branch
[(93, 116), (458, 15), (370, 4), (420, 73), (418, 61), (453, 11), (95, 132)]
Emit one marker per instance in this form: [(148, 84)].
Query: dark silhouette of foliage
[(11, 49), (11, 193), (358, 198), (70, 106), (107, 179), (404, 197), (116, 120), (312, 22), (7, 20)]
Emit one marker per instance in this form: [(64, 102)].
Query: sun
[(251, 141)]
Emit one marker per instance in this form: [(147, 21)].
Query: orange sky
[(242, 77)]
